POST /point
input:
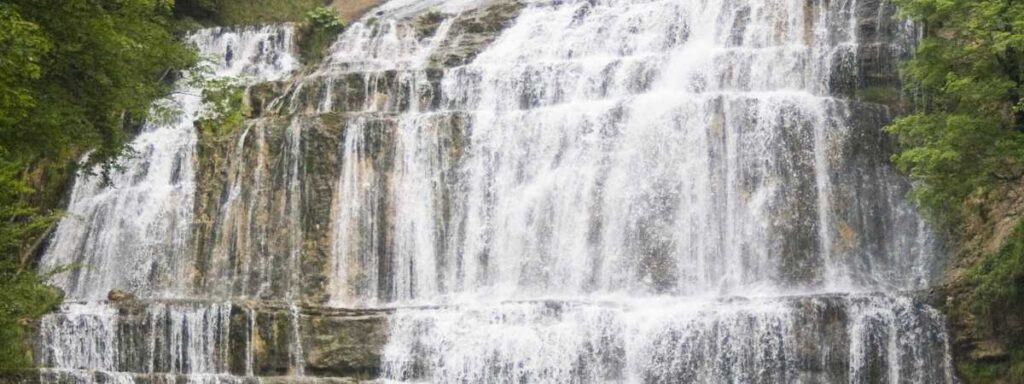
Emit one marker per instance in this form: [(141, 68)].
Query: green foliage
[(998, 281), (75, 76), (991, 310), (1010, 370), (224, 107), (325, 18), (22, 220), (965, 134), (23, 46), (108, 63), (322, 27), (886, 95), (427, 23), (244, 12), (994, 372), (24, 297)]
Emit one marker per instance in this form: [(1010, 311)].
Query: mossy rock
[(20, 377), (985, 308), (885, 95), (471, 32)]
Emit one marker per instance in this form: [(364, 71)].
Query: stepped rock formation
[(636, 191)]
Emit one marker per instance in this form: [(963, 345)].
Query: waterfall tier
[(817, 339)]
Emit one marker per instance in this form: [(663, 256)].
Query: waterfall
[(135, 234), (628, 191)]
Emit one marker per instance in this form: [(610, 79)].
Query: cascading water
[(134, 234), (637, 191), (657, 154)]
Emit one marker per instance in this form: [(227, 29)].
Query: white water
[(132, 234), (771, 340), (654, 147), (135, 234), (662, 156), (193, 338)]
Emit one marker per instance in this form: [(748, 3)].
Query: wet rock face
[(24, 377), (267, 199), (116, 295), (344, 346), (472, 32), (883, 42)]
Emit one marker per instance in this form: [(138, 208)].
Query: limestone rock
[(118, 295)]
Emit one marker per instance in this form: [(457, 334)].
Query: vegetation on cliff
[(965, 135), (243, 12), (963, 145), (224, 109), (991, 307), (322, 26), (76, 76)]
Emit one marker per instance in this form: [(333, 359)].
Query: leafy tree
[(23, 46), (965, 135), (75, 76), (110, 60)]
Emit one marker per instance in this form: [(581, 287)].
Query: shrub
[(325, 18), (322, 27)]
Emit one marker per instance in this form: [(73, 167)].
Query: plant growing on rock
[(321, 28), (224, 107), (427, 23), (325, 18)]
